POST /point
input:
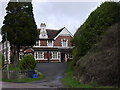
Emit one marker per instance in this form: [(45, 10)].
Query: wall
[(43, 42), (57, 42)]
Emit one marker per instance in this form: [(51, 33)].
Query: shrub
[(27, 63), (97, 23), (2, 60)]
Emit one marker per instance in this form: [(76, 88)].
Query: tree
[(96, 25), (2, 60), (20, 26), (27, 63)]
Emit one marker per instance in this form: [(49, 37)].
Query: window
[(70, 55), (40, 55), (37, 43), (50, 43), (54, 55), (43, 35), (64, 43)]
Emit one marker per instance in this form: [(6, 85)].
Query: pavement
[(54, 73)]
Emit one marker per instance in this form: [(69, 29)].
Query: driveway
[(54, 73)]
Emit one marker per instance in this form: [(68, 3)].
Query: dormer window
[(50, 43), (37, 43), (64, 42), (43, 35), (43, 31)]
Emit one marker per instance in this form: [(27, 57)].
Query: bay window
[(39, 55)]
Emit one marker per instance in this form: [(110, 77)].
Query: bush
[(96, 25), (27, 63), (2, 60)]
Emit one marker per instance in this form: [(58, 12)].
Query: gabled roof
[(64, 32), (52, 33)]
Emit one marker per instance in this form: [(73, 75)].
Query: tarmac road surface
[(54, 73)]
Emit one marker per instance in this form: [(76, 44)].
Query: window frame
[(70, 55), (39, 55), (37, 42), (64, 44), (49, 44), (53, 55)]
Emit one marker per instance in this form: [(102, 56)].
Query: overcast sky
[(57, 15)]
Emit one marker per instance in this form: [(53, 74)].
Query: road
[(54, 73)]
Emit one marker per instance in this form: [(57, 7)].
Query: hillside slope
[(100, 64), (96, 25)]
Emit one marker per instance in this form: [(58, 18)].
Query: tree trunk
[(16, 55), (18, 51)]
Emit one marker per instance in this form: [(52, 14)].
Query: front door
[(62, 57)]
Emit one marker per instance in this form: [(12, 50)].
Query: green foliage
[(13, 68), (27, 63), (24, 80), (96, 24), (71, 82), (12, 58), (19, 24), (2, 60)]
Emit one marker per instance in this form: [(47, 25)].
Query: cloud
[(58, 14), (63, 14)]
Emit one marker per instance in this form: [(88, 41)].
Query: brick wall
[(57, 42), (43, 42)]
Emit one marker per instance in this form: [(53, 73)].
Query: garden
[(25, 71)]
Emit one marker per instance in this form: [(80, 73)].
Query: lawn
[(24, 80), (27, 79), (71, 82)]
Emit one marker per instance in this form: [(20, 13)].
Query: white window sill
[(36, 46), (54, 58), (41, 59), (50, 46)]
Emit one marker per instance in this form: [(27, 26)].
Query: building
[(53, 45), (5, 49)]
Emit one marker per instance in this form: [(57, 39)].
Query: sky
[(56, 15)]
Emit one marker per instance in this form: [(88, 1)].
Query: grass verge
[(71, 82), (24, 80)]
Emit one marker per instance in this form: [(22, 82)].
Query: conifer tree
[(20, 26)]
